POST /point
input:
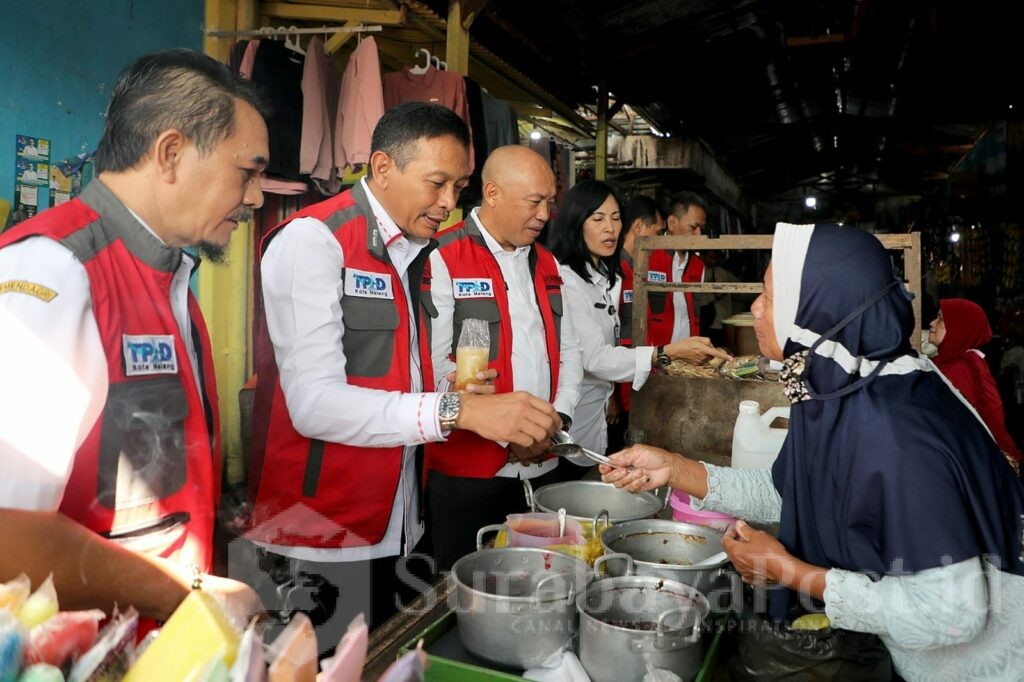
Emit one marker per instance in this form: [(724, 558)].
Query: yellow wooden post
[(225, 289), (601, 150), (457, 52)]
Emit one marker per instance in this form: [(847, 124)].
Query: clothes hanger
[(293, 46), (417, 70)]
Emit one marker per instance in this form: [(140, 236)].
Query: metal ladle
[(575, 449)]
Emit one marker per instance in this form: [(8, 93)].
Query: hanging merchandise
[(279, 70), (975, 256), (500, 122), (432, 85), (1011, 272), (360, 106), (320, 86)]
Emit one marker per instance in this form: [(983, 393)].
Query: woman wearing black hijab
[(895, 507)]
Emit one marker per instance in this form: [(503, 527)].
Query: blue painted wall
[(59, 60)]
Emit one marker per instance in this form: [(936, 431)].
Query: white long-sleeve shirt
[(530, 366), (595, 317), (302, 289), (681, 321), (53, 369), (956, 622)]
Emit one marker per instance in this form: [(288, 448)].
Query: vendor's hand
[(526, 456), (695, 350), (650, 468), (239, 601), (484, 384), (519, 418), (758, 557), (614, 413)]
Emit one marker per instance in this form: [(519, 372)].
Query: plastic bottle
[(755, 445)]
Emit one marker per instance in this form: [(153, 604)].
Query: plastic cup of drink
[(468, 363)]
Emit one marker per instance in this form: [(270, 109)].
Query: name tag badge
[(149, 355), (368, 284), (655, 276), (472, 288), (627, 296)]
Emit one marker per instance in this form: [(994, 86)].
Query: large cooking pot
[(516, 606), (628, 622), (589, 500), (668, 549)]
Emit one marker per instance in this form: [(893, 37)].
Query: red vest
[(468, 257), (661, 316), (624, 390), (311, 493), (148, 473)]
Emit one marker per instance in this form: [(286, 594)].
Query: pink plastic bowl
[(682, 511)]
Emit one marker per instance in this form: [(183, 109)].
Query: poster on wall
[(31, 171)]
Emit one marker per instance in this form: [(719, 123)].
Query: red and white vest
[(469, 259), (661, 316), (148, 473), (307, 492)]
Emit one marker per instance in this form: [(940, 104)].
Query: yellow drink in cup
[(469, 361)]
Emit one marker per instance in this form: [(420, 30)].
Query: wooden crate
[(695, 416)]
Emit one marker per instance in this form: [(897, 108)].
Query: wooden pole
[(457, 52), (601, 150)]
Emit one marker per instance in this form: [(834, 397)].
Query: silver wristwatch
[(448, 409)]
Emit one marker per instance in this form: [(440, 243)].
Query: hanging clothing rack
[(268, 31)]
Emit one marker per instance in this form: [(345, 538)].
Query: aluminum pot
[(629, 622), (667, 549), (590, 500), (516, 606)]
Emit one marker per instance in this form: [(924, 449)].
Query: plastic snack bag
[(347, 663), (63, 638), (40, 606)]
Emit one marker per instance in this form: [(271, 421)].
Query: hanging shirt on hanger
[(360, 106), (500, 121), (438, 87), (279, 71), (320, 83)]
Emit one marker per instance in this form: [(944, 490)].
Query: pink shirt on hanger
[(360, 106), (316, 147), (439, 87)]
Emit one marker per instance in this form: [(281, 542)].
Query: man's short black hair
[(681, 203), (643, 207), (399, 129), (567, 241), (171, 90)]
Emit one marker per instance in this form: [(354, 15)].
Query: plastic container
[(755, 445), (537, 529), (682, 511)]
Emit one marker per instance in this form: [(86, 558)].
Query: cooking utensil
[(516, 606), (561, 521), (585, 500), (683, 552), (628, 622), (575, 450)]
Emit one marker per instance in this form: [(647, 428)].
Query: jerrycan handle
[(772, 414)]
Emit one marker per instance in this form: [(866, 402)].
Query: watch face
[(664, 360)]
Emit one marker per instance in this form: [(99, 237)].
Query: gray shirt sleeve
[(747, 494)]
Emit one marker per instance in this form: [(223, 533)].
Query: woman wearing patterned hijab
[(958, 332), (896, 510)]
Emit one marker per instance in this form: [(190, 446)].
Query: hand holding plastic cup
[(472, 353)]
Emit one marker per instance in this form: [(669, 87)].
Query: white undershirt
[(681, 320), (302, 289), (531, 370)]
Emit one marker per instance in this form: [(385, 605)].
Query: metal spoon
[(574, 450), (561, 522)]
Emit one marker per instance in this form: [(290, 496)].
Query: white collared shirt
[(604, 361), (681, 322), (531, 370), (302, 289)]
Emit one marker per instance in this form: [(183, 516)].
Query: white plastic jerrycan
[(755, 445)]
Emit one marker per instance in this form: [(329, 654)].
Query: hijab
[(885, 470)]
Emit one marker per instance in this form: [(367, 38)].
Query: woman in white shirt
[(586, 237)]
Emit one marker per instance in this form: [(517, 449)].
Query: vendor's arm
[(601, 359), (744, 493), (931, 608)]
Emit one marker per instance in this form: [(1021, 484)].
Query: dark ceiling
[(845, 96)]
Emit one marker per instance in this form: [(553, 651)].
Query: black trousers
[(458, 507)]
